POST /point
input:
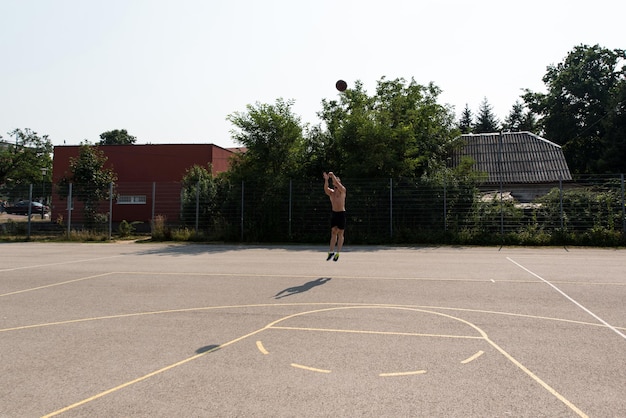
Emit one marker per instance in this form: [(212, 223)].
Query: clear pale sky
[(171, 71)]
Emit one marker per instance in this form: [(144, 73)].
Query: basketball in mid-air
[(341, 85)]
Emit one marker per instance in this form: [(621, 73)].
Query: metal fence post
[(561, 200), (197, 205), (501, 185), (623, 207), (153, 198), (445, 206), (242, 190), (391, 208), (110, 210), (69, 210), (290, 200), (30, 208), (181, 199)]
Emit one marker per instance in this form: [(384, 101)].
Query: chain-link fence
[(587, 210)]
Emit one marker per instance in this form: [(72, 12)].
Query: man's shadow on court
[(300, 289)]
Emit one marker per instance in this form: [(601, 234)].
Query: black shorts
[(338, 219)]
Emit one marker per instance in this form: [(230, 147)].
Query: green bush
[(86, 235), (13, 228), (126, 229), (160, 230)]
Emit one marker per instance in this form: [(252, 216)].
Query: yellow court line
[(402, 373), (311, 369), (536, 378), (130, 315), (262, 349), (474, 357), (546, 318), (149, 375), (353, 331), (519, 365), (277, 305), (55, 284), (274, 323)]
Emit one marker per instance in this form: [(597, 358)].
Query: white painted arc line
[(569, 298)]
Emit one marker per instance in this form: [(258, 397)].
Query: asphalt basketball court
[(162, 330)]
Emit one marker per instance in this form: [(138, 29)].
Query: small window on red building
[(131, 200)]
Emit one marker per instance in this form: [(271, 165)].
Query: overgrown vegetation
[(424, 211), (427, 211), (88, 182), (127, 229)]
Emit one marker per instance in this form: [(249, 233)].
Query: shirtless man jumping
[(338, 218)]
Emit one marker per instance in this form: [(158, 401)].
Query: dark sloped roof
[(515, 157)]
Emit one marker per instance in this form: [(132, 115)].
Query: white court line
[(60, 263), (568, 297), (54, 284)]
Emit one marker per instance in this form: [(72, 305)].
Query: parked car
[(21, 208)]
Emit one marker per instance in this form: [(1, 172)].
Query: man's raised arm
[(337, 182), (327, 189)]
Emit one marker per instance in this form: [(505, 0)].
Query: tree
[(486, 121), (199, 196), (346, 126), (466, 121), (21, 163), (581, 108), (520, 119), (613, 157), (116, 137), (529, 123), (273, 136), (90, 180), (400, 131), (514, 120)]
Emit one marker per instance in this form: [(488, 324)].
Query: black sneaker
[(330, 255), (336, 257)]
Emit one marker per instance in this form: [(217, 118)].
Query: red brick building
[(148, 177)]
